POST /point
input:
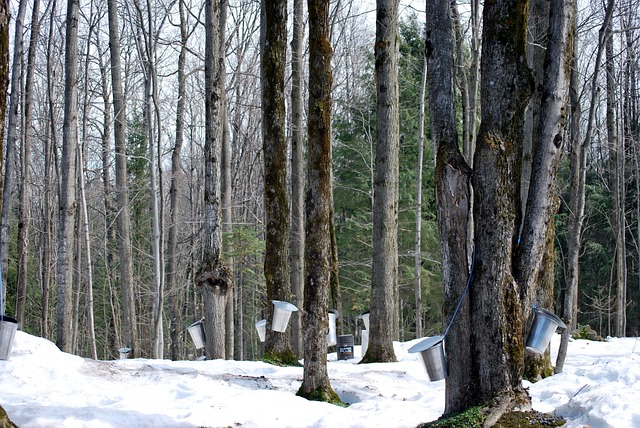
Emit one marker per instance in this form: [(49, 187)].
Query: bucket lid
[(423, 345), (124, 350), (284, 305), (553, 316), (196, 323), (261, 323), (8, 319)]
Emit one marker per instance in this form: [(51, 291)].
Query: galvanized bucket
[(261, 327), (365, 341), (196, 331), (365, 319), (281, 314), (8, 327), (544, 325), (432, 354), (331, 336), (124, 353)]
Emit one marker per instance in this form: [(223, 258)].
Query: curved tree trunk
[(384, 318), (315, 382), (453, 200)]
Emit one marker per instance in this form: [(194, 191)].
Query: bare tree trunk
[(13, 127), (176, 180), (453, 201), (297, 177), (67, 201), (4, 81), (24, 213), (122, 190), (214, 278), (417, 258), (384, 317), (315, 381)]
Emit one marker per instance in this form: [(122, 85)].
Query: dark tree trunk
[(315, 382), (384, 318), (453, 198), (276, 197)]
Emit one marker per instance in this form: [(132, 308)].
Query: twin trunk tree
[(486, 342)]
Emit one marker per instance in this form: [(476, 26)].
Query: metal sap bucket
[(365, 341), (261, 327), (345, 347), (8, 327), (124, 353), (331, 336), (281, 314), (196, 331), (365, 319), (432, 354), (544, 325)]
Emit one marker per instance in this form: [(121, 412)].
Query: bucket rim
[(425, 344), (284, 305), (196, 323), (551, 315)]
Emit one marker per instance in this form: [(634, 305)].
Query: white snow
[(44, 387)]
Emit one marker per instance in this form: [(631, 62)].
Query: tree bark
[(122, 190), (297, 177), (453, 199), (417, 257), (496, 310), (315, 381), (67, 202), (214, 278), (384, 316)]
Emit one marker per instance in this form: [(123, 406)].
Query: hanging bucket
[(365, 341), (261, 326), (196, 331), (432, 353), (544, 325), (365, 319), (124, 353), (281, 314), (345, 347), (331, 336), (8, 327)]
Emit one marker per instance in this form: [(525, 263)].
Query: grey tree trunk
[(176, 179), (384, 316), (122, 189), (417, 258), (13, 129), (534, 256), (67, 200), (214, 278), (24, 213), (317, 253), (453, 201), (496, 310), (297, 177), (4, 81)]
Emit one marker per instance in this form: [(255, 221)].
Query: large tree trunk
[(214, 278), (4, 81), (67, 202), (297, 177), (534, 257), (315, 381), (122, 189), (496, 310), (274, 146), (384, 317), (453, 199)]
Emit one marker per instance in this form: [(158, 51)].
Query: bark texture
[(315, 382), (384, 318)]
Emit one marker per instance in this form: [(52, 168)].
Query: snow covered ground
[(43, 387)]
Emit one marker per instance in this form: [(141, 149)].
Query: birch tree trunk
[(67, 202), (315, 381), (122, 190), (384, 317)]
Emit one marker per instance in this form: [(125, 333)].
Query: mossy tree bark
[(315, 382), (384, 318), (5, 422), (274, 148)]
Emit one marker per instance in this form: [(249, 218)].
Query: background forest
[(162, 53)]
